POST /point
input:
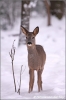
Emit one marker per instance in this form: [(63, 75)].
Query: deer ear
[(36, 30), (24, 30)]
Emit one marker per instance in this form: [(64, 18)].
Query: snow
[(52, 38)]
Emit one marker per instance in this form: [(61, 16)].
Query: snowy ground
[(52, 38)]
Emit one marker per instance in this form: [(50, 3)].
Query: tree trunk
[(25, 14), (13, 9), (48, 11)]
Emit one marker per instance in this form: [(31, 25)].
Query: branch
[(20, 81), (12, 53)]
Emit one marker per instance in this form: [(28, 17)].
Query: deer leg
[(41, 86), (31, 74), (39, 80), (29, 83), (32, 80)]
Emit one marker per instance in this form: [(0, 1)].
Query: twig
[(12, 58), (23, 70), (20, 81)]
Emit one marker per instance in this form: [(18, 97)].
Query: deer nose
[(29, 43)]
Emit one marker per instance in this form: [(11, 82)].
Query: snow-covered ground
[(52, 38)]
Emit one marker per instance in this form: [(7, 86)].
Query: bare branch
[(9, 54), (12, 58), (20, 81), (23, 70)]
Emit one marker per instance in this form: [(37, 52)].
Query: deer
[(36, 57)]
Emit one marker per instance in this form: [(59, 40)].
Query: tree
[(48, 10), (25, 15)]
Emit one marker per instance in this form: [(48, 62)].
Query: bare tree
[(48, 11), (13, 9), (25, 14)]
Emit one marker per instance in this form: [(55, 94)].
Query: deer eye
[(32, 37), (26, 37)]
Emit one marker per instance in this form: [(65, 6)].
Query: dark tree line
[(57, 8)]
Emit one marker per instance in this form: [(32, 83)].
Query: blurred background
[(12, 10), (49, 16)]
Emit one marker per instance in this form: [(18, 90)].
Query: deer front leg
[(39, 80), (31, 82)]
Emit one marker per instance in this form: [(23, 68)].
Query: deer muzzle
[(29, 44)]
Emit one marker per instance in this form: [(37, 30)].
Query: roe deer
[(36, 57)]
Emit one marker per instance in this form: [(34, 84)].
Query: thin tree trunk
[(25, 14), (13, 10), (48, 11)]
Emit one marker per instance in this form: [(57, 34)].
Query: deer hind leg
[(31, 82), (39, 80)]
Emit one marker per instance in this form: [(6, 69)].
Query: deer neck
[(32, 49)]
